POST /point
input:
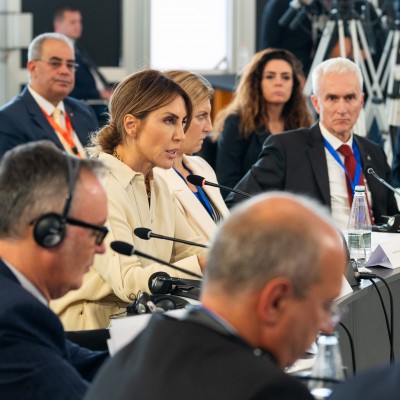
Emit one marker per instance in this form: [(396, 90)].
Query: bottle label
[(359, 240)]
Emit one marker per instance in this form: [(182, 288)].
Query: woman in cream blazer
[(148, 116)]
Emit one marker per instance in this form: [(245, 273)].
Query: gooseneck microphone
[(200, 181), (146, 234), (127, 249), (370, 171)]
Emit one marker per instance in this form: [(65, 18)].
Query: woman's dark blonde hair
[(249, 104), (197, 87), (138, 94)]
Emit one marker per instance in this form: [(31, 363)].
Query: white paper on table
[(124, 330), (385, 250)]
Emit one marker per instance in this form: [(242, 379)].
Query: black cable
[(389, 326), (353, 354), (384, 312), (392, 357)]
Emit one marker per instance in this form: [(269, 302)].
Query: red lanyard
[(65, 133)]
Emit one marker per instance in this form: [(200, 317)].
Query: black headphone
[(163, 302), (49, 229), (161, 283)]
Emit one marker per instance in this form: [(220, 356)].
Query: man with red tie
[(43, 111), (327, 160)]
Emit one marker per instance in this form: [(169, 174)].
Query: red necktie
[(350, 165)]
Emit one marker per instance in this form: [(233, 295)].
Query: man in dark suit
[(51, 226), (267, 291), (375, 384), (310, 161), (90, 83), (32, 115)]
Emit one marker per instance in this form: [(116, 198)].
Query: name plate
[(386, 253)]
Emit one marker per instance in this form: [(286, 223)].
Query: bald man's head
[(274, 234)]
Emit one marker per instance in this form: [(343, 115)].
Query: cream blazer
[(115, 280), (194, 211)]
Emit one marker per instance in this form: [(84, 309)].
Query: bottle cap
[(359, 188)]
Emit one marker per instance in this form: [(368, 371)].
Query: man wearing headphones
[(53, 207), (273, 270)]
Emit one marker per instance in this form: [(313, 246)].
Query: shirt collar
[(45, 104), (122, 172), (332, 139), (27, 284)]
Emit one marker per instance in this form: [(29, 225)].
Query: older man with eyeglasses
[(53, 210), (43, 110)]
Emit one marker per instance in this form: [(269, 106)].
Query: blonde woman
[(202, 206)]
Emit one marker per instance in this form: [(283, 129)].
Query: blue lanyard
[(200, 193), (336, 156)]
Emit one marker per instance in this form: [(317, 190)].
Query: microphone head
[(196, 180), (142, 233), (122, 248)]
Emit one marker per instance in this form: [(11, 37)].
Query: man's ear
[(315, 103), (131, 125), (273, 300), (31, 66)]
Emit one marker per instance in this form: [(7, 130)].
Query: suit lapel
[(317, 157), (192, 205), (6, 272), (77, 123), (366, 162), (38, 118)]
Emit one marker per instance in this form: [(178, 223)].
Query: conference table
[(366, 322)]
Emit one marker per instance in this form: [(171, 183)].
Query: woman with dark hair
[(149, 114), (269, 99)]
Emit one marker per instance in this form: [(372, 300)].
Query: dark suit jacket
[(36, 362), (185, 359), (22, 121), (236, 155), (85, 84), (375, 384), (295, 161)]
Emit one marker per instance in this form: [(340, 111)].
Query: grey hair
[(34, 181), (338, 65), (248, 251), (35, 47)]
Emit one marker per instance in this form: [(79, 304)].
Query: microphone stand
[(370, 171), (244, 194), (157, 236), (127, 249)]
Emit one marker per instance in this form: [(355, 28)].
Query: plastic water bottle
[(359, 228), (328, 369)]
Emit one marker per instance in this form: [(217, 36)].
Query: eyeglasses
[(101, 231), (333, 311), (56, 64)]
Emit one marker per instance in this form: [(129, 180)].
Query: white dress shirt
[(337, 180)]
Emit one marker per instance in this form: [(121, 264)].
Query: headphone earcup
[(139, 306), (49, 230), (157, 286)]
